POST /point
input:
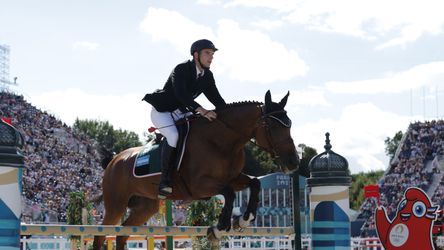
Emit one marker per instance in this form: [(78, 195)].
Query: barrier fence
[(258, 241), (85, 230), (150, 233), (241, 243)]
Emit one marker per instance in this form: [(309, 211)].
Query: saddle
[(147, 161)]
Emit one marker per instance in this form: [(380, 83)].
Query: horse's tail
[(106, 156)]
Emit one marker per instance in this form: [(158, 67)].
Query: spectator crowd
[(411, 167), (58, 161)]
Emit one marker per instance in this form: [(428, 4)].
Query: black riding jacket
[(182, 88)]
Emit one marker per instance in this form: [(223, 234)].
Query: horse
[(212, 164)]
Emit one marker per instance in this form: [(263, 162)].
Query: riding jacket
[(182, 88)]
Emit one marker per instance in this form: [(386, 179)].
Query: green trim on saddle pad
[(147, 161)]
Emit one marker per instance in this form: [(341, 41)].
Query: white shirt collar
[(198, 71)]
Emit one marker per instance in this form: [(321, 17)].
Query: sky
[(359, 69)]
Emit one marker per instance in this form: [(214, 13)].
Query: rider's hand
[(209, 114)]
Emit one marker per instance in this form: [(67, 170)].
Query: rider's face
[(206, 57)]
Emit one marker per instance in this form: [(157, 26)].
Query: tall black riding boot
[(167, 166)]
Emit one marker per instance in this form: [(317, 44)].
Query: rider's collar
[(199, 72)]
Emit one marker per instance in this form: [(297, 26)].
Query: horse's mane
[(237, 104)]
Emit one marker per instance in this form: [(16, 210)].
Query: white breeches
[(164, 122)]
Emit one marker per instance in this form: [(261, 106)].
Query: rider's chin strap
[(200, 62)]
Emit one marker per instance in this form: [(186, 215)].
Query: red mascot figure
[(411, 229)]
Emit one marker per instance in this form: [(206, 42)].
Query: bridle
[(263, 123)]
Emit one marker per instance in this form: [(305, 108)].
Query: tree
[(359, 181), (391, 144), (105, 134), (307, 154), (258, 162)]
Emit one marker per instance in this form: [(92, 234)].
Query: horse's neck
[(242, 120)]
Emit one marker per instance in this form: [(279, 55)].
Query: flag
[(8, 120)]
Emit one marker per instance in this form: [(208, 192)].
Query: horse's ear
[(267, 98), (283, 102)]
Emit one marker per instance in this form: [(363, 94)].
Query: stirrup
[(165, 192)]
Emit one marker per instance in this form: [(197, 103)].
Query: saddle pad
[(147, 161)]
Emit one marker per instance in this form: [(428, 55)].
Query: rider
[(176, 100)]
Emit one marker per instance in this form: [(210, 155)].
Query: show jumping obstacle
[(88, 230)]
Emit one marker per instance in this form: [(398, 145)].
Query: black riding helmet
[(202, 44)]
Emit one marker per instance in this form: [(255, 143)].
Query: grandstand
[(58, 161), (418, 162)]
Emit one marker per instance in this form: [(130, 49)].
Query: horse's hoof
[(239, 224), (236, 226), (213, 234)]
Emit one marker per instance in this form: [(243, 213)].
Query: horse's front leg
[(250, 214), (224, 222)]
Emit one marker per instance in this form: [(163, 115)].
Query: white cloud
[(298, 99), (85, 45), (123, 111), (309, 97), (397, 22), (209, 2), (268, 24), (421, 75), (170, 26), (281, 5), (253, 56), (245, 55), (357, 134)]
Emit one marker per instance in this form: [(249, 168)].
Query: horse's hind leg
[(113, 213), (141, 209)]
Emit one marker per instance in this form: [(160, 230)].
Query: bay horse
[(212, 164)]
